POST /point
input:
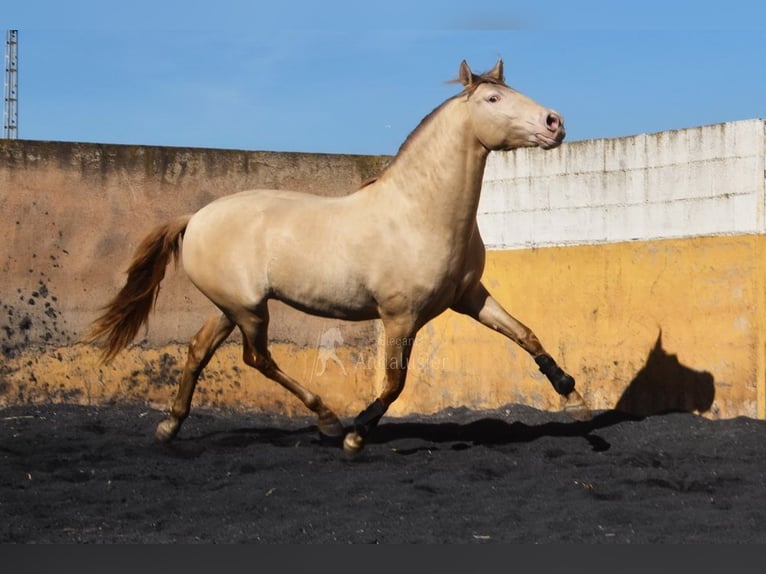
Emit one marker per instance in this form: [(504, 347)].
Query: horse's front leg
[(480, 305), (400, 337)]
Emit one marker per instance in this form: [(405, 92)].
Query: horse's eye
[(493, 98)]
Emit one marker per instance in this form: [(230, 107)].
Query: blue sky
[(357, 77)]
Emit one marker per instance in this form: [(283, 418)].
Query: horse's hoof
[(575, 407), (353, 443), (167, 430), (330, 427)]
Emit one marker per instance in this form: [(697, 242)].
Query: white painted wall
[(708, 180)]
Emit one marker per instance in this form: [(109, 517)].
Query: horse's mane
[(476, 81)]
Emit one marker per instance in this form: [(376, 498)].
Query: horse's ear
[(465, 76), (497, 72)]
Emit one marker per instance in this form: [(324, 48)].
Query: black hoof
[(563, 383)]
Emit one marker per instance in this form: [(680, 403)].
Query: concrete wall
[(699, 181), (637, 261)]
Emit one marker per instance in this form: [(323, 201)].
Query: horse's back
[(235, 214)]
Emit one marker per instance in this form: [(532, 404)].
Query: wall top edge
[(121, 146), (712, 126)]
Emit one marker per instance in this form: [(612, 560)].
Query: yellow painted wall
[(150, 375), (646, 326), (643, 326)]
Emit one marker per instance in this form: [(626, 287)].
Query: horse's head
[(503, 118)]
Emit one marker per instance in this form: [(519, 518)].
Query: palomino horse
[(403, 249)]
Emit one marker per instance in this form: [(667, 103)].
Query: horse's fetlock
[(315, 404), (178, 415), (369, 417)]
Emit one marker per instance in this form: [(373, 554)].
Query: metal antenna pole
[(11, 100)]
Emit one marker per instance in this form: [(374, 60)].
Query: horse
[(402, 249)]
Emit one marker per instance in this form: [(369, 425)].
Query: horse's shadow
[(495, 432), (407, 437), (664, 384)]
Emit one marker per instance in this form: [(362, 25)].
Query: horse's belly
[(333, 309), (318, 292)]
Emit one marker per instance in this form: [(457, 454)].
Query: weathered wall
[(72, 216), (638, 261)]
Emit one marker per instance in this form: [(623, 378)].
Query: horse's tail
[(130, 309)]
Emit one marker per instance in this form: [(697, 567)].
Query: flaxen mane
[(476, 81)]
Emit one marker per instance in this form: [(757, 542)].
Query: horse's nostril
[(553, 121)]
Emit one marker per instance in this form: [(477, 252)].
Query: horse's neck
[(439, 173)]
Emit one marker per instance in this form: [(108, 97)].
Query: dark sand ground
[(95, 475)]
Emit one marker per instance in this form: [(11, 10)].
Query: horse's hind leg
[(256, 354), (201, 349)]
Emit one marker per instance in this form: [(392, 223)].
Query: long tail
[(130, 309)]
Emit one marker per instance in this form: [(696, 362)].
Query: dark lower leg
[(398, 349), (369, 417), (259, 357)]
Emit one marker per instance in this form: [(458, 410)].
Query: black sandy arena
[(95, 475)]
